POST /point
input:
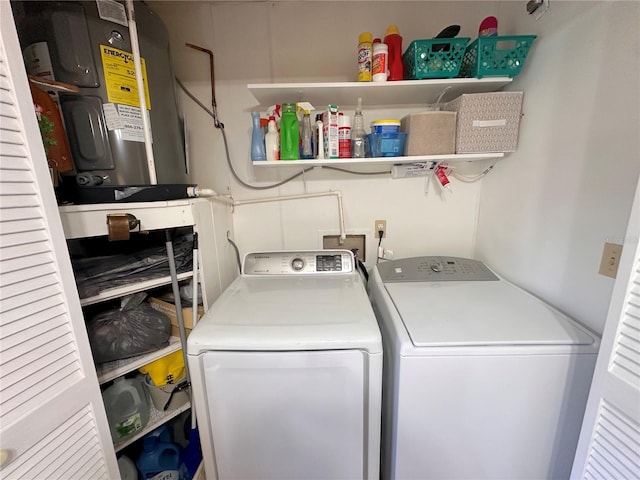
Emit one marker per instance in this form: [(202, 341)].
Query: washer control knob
[(436, 267), (297, 264)]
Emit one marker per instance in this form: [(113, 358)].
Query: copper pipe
[(213, 88)]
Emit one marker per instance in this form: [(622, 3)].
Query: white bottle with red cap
[(272, 140), (380, 68)]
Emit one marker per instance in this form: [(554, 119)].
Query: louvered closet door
[(609, 446), (52, 422)]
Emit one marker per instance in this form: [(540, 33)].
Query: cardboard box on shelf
[(169, 309), (330, 132), (487, 122), (429, 133)]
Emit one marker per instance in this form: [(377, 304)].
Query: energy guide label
[(120, 77)]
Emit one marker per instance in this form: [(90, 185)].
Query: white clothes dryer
[(481, 379), (286, 368)]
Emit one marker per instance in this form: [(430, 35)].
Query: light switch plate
[(610, 259)]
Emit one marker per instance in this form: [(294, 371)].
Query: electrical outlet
[(380, 225), (352, 242), (610, 259)]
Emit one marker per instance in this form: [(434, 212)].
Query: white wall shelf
[(156, 419), (111, 370), (403, 92), (132, 288), (84, 221), (468, 157), (88, 221)]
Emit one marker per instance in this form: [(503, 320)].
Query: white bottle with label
[(380, 68), (344, 136), (272, 140)]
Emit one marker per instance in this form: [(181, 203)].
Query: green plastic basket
[(496, 56), (434, 58)]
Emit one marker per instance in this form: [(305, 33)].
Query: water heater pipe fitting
[(193, 192)]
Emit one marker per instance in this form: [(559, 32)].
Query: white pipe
[(335, 193), (194, 192), (208, 192), (146, 127)]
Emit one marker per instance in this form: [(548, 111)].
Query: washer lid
[(302, 312), (480, 313)]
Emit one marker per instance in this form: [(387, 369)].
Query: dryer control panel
[(434, 269), (303, 262)]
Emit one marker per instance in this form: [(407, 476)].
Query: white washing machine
[(286, 368), (481, 379)]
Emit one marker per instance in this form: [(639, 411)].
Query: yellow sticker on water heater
[(120, 77)]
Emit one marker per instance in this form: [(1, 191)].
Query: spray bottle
[(257, 139), (272, 140), (306, 136)]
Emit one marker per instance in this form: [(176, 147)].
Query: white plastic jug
[(127, 406)]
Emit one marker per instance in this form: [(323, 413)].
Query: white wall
[(540, 218), (257, 42), (546, 211), (193, 24)]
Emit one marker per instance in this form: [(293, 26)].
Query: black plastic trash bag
[(133, 329)]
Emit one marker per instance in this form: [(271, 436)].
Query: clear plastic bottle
[(306, 137), (358, 133), (272, 140)]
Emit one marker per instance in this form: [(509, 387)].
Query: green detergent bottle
[(289, 133)]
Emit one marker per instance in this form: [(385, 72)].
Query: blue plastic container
[(386, 144), (158, 457), (385, 126)]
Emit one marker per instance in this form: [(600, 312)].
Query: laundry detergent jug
[(158, 460)]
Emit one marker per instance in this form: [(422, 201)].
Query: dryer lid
[(444, 314), (305, 312)]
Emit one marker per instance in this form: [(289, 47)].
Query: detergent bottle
[(289, 133), (393, 40), (159, 459)]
